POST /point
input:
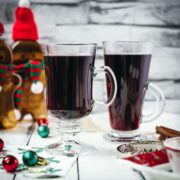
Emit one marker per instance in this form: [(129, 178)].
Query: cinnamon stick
[(166, 132)]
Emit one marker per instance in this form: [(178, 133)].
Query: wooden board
[(98, 33), (77, 14), (149, 13), (101, 164), (19, 135)]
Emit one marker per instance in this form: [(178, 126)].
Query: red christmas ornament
[(1, 144), (10, 163), (1, 29), (42, 121)]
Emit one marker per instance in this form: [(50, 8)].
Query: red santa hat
[(1, 29), (24, 27)]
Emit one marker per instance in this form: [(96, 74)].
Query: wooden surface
[(157, 21), (102, 164)]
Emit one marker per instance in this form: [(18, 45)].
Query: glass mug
[(69, 69), (130, 62)]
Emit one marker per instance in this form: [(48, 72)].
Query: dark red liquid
[(131, 72), (69, 85)]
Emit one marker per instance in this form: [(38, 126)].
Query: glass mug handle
[(113, 81), (160, 103)]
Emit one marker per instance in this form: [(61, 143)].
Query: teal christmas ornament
[(43, 131), (30, 158)]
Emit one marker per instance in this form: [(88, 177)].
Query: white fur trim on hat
[(24, 3)]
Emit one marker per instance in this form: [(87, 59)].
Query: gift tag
[(37, 87)]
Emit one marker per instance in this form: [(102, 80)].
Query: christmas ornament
[(28, 63), (1, 29), (30, 158), (10, 163), (43, 131), (9, 82), (1, 144), (42, 121)]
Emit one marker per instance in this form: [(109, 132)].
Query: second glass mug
[(69, 71), (130, 62)]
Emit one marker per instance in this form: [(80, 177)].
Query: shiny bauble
[(1, 144), (30, 158), (43, 121), (10, 163), (43, 131)]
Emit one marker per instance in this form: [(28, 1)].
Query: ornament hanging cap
[(1, 29), (24, 27)]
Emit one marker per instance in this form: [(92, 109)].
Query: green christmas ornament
[(43, 131), (30, 158)]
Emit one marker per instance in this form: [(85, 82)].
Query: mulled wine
[(69, 85), (131, 72)]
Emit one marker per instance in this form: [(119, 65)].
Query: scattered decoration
[(10, 163), (1, 144), (47, 170), (35, 149), (47, 165), (43, 131), (1, 29), (42, 121), (30, 158)]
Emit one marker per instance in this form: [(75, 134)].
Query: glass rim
[(72, 43), (127, 42)]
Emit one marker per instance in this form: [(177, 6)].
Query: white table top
[(102, 164)]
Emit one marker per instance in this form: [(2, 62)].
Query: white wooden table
[(100, 165)]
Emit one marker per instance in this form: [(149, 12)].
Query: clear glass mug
[(69, 69), (130, 62)]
